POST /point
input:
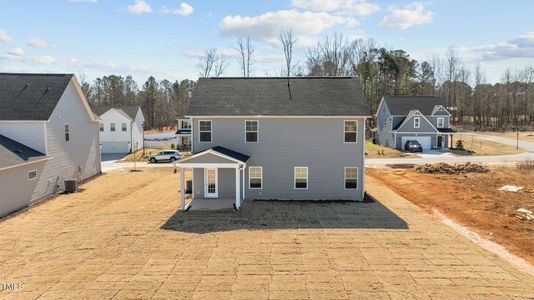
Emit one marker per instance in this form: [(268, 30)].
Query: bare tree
[(246, 50), (211, 64), (285, 36)]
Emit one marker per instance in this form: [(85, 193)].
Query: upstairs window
[(101, 126), (441, 122), (204, 129), (351, 178), (255, 175), (349, 131), (301, 177), (112, 126), (67, 132), (251, 131), (416, 122), (124, 127), (186, 124)]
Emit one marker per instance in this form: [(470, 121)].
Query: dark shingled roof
[(130, 110), (272, 96), (13, 153), (225, 151), (446, 130), (30, 96), (401, 106)]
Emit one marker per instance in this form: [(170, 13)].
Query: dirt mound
[(445, 168)]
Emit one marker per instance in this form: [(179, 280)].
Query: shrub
[(460, 144)]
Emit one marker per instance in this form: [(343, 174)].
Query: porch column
[(244, 186), (182, 188), (237, 189)]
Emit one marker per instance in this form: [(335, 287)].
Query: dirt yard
[(124, 237), (527, 136), (473, 200), (373, 150), (482, 147)]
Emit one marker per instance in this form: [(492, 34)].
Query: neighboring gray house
[(425, 119), (298, 138), (48, 134)]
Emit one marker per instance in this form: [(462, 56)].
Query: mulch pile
[(445, 168)]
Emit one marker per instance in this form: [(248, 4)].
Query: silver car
[(166, 155)]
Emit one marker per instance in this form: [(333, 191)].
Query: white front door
[(211, 189)]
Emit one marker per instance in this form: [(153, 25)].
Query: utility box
[(71, 186)]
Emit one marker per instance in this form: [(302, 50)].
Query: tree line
[(162, 101), (473, 101)]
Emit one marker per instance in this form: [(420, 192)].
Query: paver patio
[(122, 237)]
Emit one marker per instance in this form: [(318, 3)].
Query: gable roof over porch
[(216, 155)]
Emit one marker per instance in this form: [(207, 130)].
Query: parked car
[(167, 155), (413, 146)]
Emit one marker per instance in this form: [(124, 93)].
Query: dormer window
[(416, 122), (441, 122)]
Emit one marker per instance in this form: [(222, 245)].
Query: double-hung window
[(204, 129), (350, 128), (111, 126), (441, 122), (101, 126), (351, 178), (124, 126), (255, 177), (416, 122), (251, 131), (67, 132), (301, 177)]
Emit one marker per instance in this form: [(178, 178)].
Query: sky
[(164, 38)]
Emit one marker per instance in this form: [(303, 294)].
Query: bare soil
[(527, 136), (481, 147), (474, 201), (373, 150)]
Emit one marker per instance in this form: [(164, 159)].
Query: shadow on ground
[(288, 215)]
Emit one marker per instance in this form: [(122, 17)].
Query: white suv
[(170, 155)]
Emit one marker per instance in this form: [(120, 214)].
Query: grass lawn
[(372, 151), (481, 147), (527, 136), (148, 151)]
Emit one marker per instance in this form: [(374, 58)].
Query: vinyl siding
[(14, 199), (225, 180), (81, 151), (434, 120), (408, 127), (27, 133), (285, 143)]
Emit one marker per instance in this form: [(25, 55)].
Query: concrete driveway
[(123, 238)]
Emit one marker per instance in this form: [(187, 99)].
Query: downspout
[(131, 138)]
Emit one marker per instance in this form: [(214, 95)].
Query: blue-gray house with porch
[(421, 118)]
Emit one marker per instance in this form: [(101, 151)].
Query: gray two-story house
[(277, 138), (424, 119)]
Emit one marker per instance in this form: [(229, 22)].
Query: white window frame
[(124, 127), (66, 128), (442, 120), (345, 177), (250, 177), (187, 122), (418, 123), (344, 131), (200, 131), (112, 127), (36, 175), (257, 131), (295, 178)]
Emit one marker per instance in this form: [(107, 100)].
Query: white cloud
[(38, 43), (403, 18), (184, 10), (44, 59), (265, 27), (4, 36), (226, 52), (139, 7), (16, 52), (344, 7), (519, 47)]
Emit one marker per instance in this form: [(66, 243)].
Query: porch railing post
[(182, 188), (237, 189)]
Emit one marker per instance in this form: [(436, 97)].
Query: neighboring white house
[(48, 134), (183, 134), (121, 128)]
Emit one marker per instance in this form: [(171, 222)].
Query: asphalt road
[(428, 158)]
